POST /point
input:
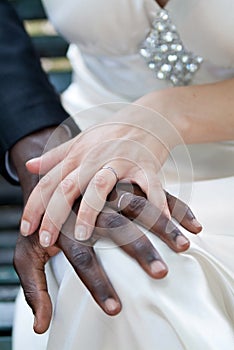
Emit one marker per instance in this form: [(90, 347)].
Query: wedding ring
[(120, 200), (112, 170)]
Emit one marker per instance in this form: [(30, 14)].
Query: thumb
[(42, 308), (29, 263), (41, 165)]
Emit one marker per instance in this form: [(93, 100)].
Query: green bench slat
[(10, 217), (8, 239), (10, 194), (60, 80), (6, 255), (8, 276), (8, 293), (29, 9), (5, 343), (50, 46)]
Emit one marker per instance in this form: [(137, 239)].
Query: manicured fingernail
[(111, 305), (196, 223), (157, 266), (25, 227), (81, 233), (33, 160), (182, 241), (45, 239)]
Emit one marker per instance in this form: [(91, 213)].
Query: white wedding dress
[(193, 307)]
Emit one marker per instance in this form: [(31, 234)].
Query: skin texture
[(171, 117), (30, 257)]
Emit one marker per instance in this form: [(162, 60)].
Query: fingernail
[(182, 241), (157, 266), (33, 160), (45, 239), (196, 223), (25, 227), (111, 305), (81, 233)]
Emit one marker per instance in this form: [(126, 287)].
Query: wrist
[(171, 114), (32, 146)]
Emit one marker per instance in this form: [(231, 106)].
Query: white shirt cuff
[(10, 168)]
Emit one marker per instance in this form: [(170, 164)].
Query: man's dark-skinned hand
[(30, 257)]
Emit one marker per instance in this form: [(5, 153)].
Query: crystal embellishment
[(165, 53)]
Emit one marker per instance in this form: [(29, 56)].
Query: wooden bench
[(52, 50)]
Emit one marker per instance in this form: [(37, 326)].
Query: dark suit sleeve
[(28, 101)]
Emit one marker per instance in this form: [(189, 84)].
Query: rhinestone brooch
[(165, 53)]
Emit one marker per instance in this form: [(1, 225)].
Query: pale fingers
[(93, 201), (101, 185), (39, 198), (59, 208), (154, 193), (38, 201)]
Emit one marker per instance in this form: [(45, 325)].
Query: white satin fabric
[(193, 307)]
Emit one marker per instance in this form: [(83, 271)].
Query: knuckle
[(101, 220), (113, 220), (67, 185), (82, 257), (29, 295), (45, 181), (100, 181), (164, 223), (84, 212), (182, 213), (31, 298), (99, 288), (137, 204), (143, 250), (139, 246), (69, 162), (171, 232)]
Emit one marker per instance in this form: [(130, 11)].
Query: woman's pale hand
[(91, 164), (59, 205)]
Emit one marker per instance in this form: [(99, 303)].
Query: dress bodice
[(110, 32), (106, 36), (116, 28)]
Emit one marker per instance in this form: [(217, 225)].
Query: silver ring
[(112, 170), (120, 200)]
